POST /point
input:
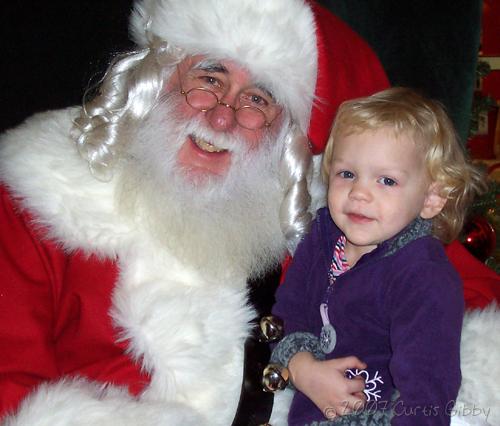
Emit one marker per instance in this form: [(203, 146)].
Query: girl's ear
[(433, 203)]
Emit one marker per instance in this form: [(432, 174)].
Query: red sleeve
[(481, 284), (27, 300)]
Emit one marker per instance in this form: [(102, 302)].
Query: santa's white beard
[(223, 225)]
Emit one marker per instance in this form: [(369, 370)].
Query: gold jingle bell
[(271, 328), (275, 377)]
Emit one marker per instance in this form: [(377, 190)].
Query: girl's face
[(378, 184)]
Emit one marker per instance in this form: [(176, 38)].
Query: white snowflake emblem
[(370, 384)]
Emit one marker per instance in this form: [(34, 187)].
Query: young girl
[(370, 293)]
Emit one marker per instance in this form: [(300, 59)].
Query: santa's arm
[(31, 390), (26, 308)]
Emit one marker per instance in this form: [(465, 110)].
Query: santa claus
[(130, 225)]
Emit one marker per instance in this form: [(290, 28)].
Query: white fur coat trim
[(54, 405), (479, 396), (39, 162), (274, 39)]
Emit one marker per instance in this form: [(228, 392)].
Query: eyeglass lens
[(246, 116)]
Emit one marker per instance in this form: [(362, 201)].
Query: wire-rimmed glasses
[(247, 116)]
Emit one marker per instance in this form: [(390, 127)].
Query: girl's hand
[(325, 384)]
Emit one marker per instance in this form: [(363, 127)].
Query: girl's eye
[(387, 181), (346, 174)]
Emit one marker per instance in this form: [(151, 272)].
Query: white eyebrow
[(211, 65)]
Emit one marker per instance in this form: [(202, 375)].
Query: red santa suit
[(99, 321)]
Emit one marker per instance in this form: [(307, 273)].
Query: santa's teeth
[(206, 146)]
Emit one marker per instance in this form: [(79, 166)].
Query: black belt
[(255, 405)]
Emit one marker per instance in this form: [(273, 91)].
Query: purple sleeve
[(292, 297), (426, 310)]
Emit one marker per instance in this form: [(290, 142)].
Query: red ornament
[(479, 237)]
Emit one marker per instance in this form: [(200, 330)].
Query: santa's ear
[(434, 202)]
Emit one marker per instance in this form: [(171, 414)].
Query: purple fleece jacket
[(400, 313)]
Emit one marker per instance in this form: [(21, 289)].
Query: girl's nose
[(360, 192)]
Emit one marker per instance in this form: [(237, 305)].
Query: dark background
[(51, 50)]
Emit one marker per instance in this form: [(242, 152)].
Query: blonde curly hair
[(407, 112)]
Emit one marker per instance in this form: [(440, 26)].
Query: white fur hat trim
[(273, 39)]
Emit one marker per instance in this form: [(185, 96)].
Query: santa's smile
[(206, 146), (198, 156)]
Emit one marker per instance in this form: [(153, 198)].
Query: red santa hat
[(309, 59)]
